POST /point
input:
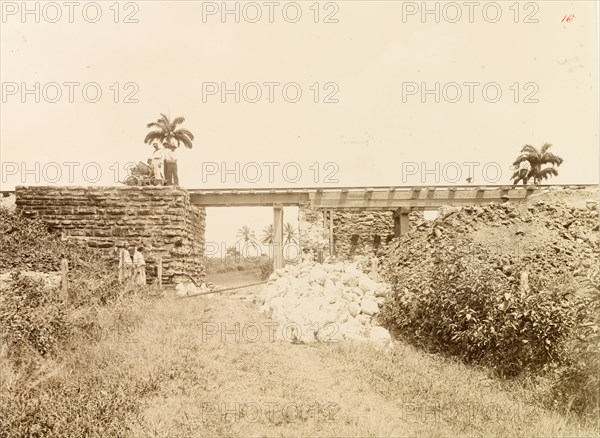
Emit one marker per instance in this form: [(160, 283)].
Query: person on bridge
[(524, 168), (172, 179)]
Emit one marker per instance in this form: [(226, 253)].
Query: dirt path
[(206, 380), (248, 383)]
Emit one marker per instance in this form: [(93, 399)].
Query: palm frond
[(267, 237), (186, 142), (528, 149), (183, 132), (153, 135), (155, 125), (545, 148), (520, 159), (547, 172), (550, 158), (176, 121)]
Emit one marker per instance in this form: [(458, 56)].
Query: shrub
[(88, 395), (27, 244), (31, 317), (480, 315), (577, 384), (266, 268)]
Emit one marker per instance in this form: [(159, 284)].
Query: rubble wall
[(354, 232), (161, 219)]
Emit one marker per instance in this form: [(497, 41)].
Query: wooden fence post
[(64, 270), (159, 271), (121, 267)]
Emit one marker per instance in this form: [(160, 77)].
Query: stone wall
[(159, 218), (313, 231), (354, 232), (361, 232)]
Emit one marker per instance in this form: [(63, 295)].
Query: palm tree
[(290, 233), (233, 251), (268, 236), (246, 234), (536, 159), (167, 131)]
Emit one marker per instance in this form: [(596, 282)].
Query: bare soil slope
[(554, 232)]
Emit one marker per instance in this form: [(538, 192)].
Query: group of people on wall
[(164, 164)]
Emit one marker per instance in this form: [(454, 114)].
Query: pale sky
[(373, 136)]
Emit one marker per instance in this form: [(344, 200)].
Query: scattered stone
[(354, 309), (380, 335), (366, 284), (369, 307), (318, 275), (334, 301)]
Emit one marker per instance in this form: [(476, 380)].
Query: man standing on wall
[(157, 163), (171, 176)]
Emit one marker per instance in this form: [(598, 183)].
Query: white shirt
[(126, 257), (524, 165), (158, 155), (170, 154), (138, 258)]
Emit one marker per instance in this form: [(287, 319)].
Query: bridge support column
[(401, 221), (277, 237)]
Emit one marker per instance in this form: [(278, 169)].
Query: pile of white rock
[(190, 289), (326, 302)]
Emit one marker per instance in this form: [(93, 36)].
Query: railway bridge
[(60, 204), (400, 199)]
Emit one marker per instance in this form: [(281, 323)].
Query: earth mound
[(554, 232)]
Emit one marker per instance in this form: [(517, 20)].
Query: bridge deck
[(364, 198)]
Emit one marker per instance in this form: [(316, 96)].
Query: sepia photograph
[(311, 218)]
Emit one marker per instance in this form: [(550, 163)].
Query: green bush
[(266, 268), (218, 265), (31, 317), (578, 382), (86, 396), (480, 315), (27, 244)]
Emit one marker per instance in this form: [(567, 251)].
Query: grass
[(169, 376), (219, 265)]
